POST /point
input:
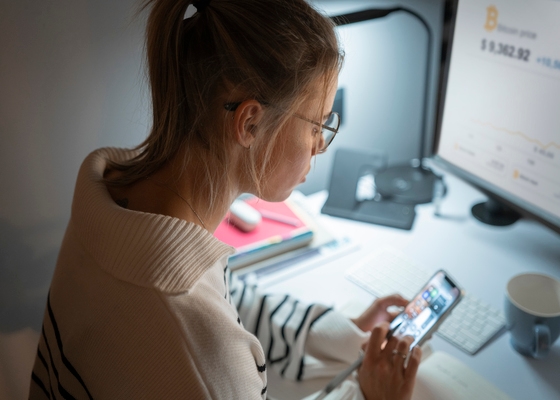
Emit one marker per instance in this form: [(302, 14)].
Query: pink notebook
[(269, 238)]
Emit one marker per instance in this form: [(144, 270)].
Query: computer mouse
[(243, 216)]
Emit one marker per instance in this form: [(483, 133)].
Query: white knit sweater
[(143, 306)]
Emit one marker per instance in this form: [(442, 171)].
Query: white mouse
[(243, 216)]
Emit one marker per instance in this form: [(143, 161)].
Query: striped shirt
[(144, 306)]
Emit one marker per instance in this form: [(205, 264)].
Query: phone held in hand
[(428, 309)]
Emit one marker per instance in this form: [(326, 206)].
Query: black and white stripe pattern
[(280, 322), (54, 376)]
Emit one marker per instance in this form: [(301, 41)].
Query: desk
[(482, 259)]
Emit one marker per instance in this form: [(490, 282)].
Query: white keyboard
[(472, 322)]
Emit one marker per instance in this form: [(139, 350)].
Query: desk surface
[(480, 257)]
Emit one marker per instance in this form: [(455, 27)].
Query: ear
[(247, 116)]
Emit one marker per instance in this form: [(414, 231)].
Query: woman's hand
[(383, 374), (377, 312)]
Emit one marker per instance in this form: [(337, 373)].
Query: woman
[(142, 303)]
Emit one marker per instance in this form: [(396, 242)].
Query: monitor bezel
[(524, 208)]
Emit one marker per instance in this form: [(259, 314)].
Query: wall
[(71, 80), (383, 78)]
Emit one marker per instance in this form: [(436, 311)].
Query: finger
[(391, 345), (401, 352), (404, 343), (413, 363), (378, 335)]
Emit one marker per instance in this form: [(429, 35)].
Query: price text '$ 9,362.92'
[(506, 50)]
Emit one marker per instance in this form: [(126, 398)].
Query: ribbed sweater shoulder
[(138, 307), (149, 250)]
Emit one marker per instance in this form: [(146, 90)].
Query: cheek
[(294, 150), (301, 153)]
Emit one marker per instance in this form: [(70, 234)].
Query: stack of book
[(284, 227)]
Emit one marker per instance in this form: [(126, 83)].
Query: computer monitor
[(499, 113)]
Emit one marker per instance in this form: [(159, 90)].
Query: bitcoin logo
[(491, 18)]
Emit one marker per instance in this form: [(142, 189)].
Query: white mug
[(532, 310)]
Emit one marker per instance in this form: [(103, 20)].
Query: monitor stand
[(492, 212)]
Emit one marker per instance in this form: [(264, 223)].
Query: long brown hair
[(269, 50)]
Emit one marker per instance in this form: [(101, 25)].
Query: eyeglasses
[(328, 130)]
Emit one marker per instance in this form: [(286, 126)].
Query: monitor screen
[(499, 117)]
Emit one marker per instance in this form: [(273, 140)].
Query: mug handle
[(542, 340)]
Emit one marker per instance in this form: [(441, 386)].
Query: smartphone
[(427, 310)]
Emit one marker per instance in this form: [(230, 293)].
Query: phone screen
[(427, 307)]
